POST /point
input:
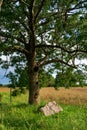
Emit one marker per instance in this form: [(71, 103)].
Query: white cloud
[(84, 61)]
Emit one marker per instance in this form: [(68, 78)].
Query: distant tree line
[(66, 77)]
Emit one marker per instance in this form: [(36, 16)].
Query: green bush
[(16, 92), (19, 91), (23, 90), (1, 85)]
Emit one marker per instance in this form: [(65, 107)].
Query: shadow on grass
[(22, 105)]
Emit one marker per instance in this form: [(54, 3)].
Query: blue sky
[(3, 79)]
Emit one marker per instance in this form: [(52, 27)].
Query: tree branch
[(39, 9), (42, 60), (53, 46), (76, 6), (23, 24), (60, 47), (57, 60), (24, 2), (4, 34), (48, 19), (15, 48)]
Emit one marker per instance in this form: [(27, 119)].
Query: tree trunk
[(33, 83), (32, 65)]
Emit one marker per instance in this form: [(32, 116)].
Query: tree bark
[(33, 82)]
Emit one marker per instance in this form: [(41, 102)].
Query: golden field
[(75, 95)]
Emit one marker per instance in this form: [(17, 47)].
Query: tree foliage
[(70, 78), (20, 79)]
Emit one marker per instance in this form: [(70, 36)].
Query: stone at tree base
[(51, 108)]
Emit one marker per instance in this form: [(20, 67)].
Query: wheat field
[(73, 95)]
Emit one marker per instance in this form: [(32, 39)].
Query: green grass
[(20, 116)]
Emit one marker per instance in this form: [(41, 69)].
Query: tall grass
[(18, 115)]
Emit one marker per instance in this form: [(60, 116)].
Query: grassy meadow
[(18, 115)]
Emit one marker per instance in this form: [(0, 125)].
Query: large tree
[(41, 32)]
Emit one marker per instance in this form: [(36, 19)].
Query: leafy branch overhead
[(48, 23)]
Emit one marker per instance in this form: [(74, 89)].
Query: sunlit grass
[(18, 115)]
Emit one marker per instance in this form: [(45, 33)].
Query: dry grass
[(4, 89), (74, 95)]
